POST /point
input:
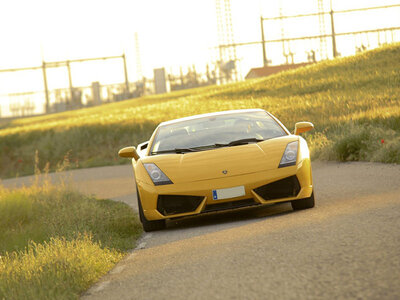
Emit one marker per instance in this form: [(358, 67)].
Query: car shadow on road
[(229, 219)]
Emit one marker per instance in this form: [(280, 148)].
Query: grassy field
[(353, 102), (55, 243)]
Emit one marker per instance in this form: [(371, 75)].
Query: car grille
[(230, 205), (177, 204), (284, 188)]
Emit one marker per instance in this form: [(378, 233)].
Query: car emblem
[(225, 172)]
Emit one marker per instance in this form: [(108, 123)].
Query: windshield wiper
[(177, 150), (207, 147), (240, 142)]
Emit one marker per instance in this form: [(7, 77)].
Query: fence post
[(126, 76), (265, 62), (46, 89), (334, 49), (71, 88)]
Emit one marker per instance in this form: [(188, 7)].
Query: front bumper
[(202, 191)]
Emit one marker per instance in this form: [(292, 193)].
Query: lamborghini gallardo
[(220, 161)]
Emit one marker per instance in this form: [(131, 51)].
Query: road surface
[(347, 247)]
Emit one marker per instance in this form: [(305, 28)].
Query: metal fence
[(328, 34), (18, 104)]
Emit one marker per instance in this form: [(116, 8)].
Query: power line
[(63, 63), (328, 12), (311, 37)]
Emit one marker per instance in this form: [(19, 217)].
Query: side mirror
[(301, 127), (129, 152)]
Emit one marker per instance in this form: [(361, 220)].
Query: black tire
[(148, 225), (303, 203)]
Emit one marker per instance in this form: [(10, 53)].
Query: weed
[(57, 269), (54, 242)]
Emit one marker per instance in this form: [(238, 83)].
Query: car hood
[(211, 164)]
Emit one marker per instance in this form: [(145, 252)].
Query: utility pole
[(265, 61), (334, 50), (227, 55), (322, 30)]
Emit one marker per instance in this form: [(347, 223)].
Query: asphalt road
[(347, 247)]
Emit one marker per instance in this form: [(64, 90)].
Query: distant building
[(269, 70), (160, 81)]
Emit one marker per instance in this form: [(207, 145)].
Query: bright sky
[(172, 33)]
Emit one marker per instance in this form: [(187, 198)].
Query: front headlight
[(289, 157), (156, 175)]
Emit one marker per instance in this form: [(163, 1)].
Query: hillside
[(354, 103)]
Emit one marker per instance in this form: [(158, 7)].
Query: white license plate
[(232, 192)]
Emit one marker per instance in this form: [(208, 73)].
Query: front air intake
[(177, 204), (284, 188), (230, 205)]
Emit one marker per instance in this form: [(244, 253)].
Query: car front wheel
[(148, 225), (303, 203)]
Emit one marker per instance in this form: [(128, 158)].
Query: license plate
[(232, 192)]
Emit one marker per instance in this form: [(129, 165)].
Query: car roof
[(219, 113)]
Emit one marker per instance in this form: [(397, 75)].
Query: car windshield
[(216, 131)]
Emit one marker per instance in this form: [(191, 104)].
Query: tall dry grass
[(55, 242)]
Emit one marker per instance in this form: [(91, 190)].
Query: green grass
[(354, 103), (55, 243)]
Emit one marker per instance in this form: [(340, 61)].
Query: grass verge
[(354, 103), (55, 243)]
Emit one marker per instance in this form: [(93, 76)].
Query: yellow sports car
[(220, 161)]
